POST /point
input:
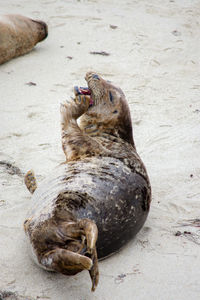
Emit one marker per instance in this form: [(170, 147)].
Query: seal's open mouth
[(83, 91)]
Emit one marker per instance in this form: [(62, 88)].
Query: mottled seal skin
[(95, 202), (18, 35)]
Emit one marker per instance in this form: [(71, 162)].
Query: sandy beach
[(153, 55)]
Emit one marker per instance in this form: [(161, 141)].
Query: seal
[(95, 202), (18, 35)]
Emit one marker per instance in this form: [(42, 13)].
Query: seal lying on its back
[(18, 35), (101, 190)]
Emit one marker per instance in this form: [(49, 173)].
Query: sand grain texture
[(153, 51)]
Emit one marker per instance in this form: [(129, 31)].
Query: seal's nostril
[(95, 76)]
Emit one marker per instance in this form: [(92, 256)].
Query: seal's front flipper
[(30, 181), (75, 143), (65, 261)]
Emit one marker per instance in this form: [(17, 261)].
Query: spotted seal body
[(18, 35), (95, 202)]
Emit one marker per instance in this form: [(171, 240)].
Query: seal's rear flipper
[(30, 181), (77, 250), (70, 263), (91, 234), (65, 261), (94, 271), (85, 229)]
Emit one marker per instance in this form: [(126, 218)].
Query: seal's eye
[(111, 97)]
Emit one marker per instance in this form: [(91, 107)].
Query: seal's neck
[(100, 122)]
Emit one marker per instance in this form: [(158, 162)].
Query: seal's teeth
[(81, 91), (85, 91)]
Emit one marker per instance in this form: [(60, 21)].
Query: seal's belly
[(102, 189)]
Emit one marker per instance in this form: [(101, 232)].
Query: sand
[(154, 57)]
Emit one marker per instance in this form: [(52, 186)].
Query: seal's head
[(42, 30), (108, 111)]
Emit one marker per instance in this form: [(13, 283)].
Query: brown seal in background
[(95, 202), (18, 35)]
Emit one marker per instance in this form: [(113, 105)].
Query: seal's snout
[(91, 76), (43, 29), (95, 76), (96, 85)]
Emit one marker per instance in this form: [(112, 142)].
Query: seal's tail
[(30, 181)]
